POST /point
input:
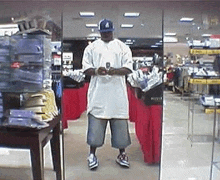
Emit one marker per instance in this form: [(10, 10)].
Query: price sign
[(57, 60)]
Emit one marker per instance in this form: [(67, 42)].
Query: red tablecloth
[(74, 103), (147, 119)]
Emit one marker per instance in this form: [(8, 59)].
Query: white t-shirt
[(107, 95)]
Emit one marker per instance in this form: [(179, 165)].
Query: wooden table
[(35, 140)]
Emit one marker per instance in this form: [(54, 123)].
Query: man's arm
[(94, 71), (90, 72), (119, 71)]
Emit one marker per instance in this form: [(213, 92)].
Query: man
[(107, 61)]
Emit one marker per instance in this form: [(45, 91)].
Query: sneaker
[(122, 160), (92, 161)]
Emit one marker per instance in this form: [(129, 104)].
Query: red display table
[(147, 119), (74, 103)]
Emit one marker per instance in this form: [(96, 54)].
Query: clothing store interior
[(173, 90)]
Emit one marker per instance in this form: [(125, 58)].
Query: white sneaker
[(122, 160), (92, 161)]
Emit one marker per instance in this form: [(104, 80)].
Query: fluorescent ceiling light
[(206, 35), (186, 19), (170, 34), (127, 25), (94, 35), (129, 43), (91, 25), (170, 39), (87, 14), (159, 43), (131, 14), (153, 46), (8, 26)]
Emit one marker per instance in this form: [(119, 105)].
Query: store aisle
[(180, 161), (76, 151), (15, 164)]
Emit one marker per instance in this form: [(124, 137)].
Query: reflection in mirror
[(144, 87), (191, 128)]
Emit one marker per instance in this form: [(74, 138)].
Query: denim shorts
[(120, 137)]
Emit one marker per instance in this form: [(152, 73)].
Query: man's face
[(107, 36)]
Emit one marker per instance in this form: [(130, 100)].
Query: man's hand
[(118, 71), (102, 71), (111, 71)]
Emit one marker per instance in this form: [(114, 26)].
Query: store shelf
[(200, 138), (197, 81), (211, 110), (204, 81), (213, 81), (194, 117), (204, 51)]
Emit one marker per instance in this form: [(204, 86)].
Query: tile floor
[(180, 160), (76, 151), (183, 159), (15, 164)]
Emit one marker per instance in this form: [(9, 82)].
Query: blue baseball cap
[(106, 25)]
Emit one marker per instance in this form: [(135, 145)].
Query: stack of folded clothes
[(23, 118), (1, 106), (210, 100), (32, 54), (4, 63), (42, 103)]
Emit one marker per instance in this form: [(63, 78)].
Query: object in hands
[(108, 65)]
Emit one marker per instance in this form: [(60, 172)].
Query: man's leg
[(120, 140), (92, 159), (121, 151), (92, 150), (95, 138)]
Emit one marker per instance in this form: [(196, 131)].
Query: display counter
[(74, 103), (148, 121)]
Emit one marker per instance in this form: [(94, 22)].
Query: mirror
[(145, 42), (188, 121), (143, 34)]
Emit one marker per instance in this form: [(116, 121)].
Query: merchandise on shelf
[(25, 63), (76, 75), (23, 118), (42, 103), (145, 81), (149, 85), (5, 70), (1, 106), (210, 100), (207, 43)]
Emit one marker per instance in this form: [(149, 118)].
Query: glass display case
[(25, 63)]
